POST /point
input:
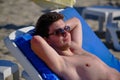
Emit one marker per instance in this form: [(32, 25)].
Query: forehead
[(58, 24)]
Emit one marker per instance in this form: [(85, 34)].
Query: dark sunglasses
[(61, 31)]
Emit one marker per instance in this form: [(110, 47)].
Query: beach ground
[(16, 14)]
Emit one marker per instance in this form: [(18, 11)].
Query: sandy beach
[(16, 14)]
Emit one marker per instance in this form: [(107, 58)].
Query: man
[(59, 45)]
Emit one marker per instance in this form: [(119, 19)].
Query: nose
[(64, 34)]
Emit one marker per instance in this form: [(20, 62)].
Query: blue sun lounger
[(18, 42)]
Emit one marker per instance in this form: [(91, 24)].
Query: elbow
[(76, 19), (34, 42)]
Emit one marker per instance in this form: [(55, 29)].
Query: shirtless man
[(59, 45)]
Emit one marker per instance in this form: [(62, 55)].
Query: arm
[(76, 31), (47, 54)]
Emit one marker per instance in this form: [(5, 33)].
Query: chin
[(65, 47)]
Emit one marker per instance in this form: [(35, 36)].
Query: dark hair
[(43, 23)]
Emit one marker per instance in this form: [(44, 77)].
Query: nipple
[(87, 65)]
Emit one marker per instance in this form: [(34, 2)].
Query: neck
[(65, 52)]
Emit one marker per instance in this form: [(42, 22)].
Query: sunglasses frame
[(60, 31)]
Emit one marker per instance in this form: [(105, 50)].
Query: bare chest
[(83, 67)]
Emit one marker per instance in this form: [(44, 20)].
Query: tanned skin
[(64, 54)]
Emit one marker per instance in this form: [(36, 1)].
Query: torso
[(87, 67)]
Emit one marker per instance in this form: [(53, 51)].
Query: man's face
[(59, 35)]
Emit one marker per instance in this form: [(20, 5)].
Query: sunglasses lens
[(67, 28), (59, 31)]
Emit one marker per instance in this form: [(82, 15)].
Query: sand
[(15, 14)]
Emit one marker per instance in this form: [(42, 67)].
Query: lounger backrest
[(23, 43)]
